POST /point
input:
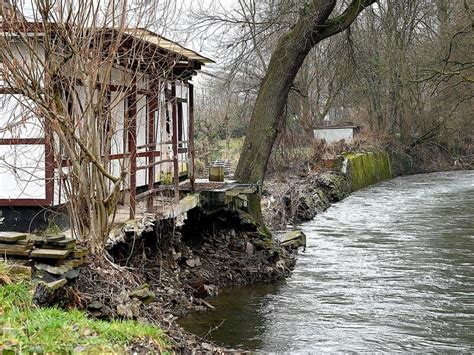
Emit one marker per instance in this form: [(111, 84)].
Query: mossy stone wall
[(366, 169)]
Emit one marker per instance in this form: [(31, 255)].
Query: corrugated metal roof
[(166, 44)]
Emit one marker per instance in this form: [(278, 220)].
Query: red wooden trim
[(152, 109), (22, 141), (191, 135), (175, 140), (49, 173), (155, 153), (132, 146), (19, 202)]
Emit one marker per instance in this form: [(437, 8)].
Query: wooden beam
[(132, 147), (175, 141), (191, 136)]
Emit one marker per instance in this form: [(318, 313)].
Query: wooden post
[(152, 109), (191, 151), (175, 141), (132, 147)]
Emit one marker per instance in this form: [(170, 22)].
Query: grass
[(25, 328)]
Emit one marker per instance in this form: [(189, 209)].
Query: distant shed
[(332, 134)]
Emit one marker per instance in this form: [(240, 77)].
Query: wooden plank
[(12, 237), (49, 253)]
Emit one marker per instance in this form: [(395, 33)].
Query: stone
[(55, 285), (124, 311), (211, 290), (95, 305), (143, 294), (49, 253), (54, 270), (12, 237), (195, 262), (293, 239), (306, 207), (71, 274), (207, 347), (249, 249), (55, 237)]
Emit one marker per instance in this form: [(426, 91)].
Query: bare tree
[(60, 59)]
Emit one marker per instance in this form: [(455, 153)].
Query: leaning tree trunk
[(313, 26)]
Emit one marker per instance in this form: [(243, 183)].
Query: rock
[(306, 207), (72, 274), (143, 294), (176, 255), (211, 290), (124, 311), (51, 293), (293, 240), (249, 249), (53, 286), (95, 305), (196, 262), (337, 186), (54, 270), (207, 347)]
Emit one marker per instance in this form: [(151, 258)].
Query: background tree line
[(403, 70)]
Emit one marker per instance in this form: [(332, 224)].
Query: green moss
[(27, 328), (366, 169), (255, 210)]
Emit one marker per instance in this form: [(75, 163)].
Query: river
[(390, 268)]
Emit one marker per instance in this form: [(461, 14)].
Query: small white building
[(333, 134)]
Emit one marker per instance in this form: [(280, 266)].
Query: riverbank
[(160, 277), (166, 273), (388, 269)]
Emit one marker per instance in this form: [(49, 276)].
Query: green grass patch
[(25, 328)]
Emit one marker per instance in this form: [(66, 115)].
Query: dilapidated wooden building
[(150, 124)]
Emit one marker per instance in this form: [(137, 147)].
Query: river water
[(390, 268)]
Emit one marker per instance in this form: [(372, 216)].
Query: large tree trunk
[(313, 26)]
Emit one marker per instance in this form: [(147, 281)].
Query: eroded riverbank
[(387, 269)]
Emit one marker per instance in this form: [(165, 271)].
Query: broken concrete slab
[(293, 239), (49, 253), (12, 237)]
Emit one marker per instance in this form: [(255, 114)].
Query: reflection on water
[(388, 269)]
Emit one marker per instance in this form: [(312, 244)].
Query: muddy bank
[(166, 273)]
